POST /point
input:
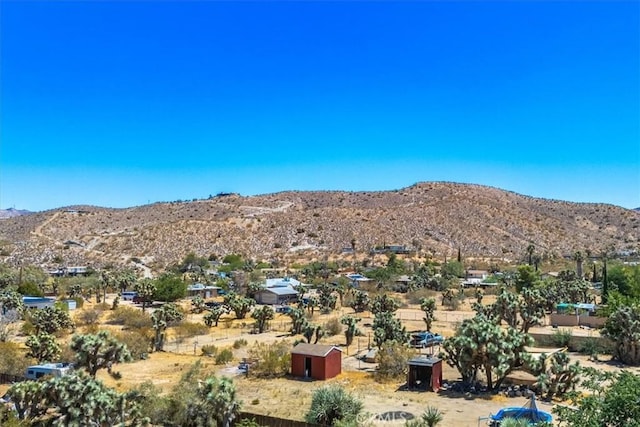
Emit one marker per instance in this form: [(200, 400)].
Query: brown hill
[(430, 217)]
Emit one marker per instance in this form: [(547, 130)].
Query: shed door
[(307, 367)]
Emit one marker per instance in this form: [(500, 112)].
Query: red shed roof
[(313, 349)]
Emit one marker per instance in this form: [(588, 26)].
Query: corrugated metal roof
[(313, 349), (280, 291)]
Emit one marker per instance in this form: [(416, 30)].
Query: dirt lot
[(290, 398)]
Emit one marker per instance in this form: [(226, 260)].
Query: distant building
[(204, 291), (38, 302), (316, 361), (276, 295)]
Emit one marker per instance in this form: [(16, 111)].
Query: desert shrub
[(333, 327), (89, 316), (561, 337), (271, 360), (190, 329), (239, 343), (429, 418), (209, 350), (12, 359), (224, 356), (138, 341), (153, 404), (247, 422), (392, 359), (130, 318), (331, 405), (415, 296)]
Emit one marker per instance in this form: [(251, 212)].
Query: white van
[(54, 369), (129, 295)]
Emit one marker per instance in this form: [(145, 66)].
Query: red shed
[(425, 373), (316, 361)]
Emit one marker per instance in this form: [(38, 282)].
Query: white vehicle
[(54, 369), (129, 295)]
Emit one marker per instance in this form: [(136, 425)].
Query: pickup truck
[(425, 339)]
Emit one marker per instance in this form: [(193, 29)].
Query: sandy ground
[(290, 398)]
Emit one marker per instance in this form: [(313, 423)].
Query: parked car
[(138, 300), (129, 295), (425, 339), (212, 304), (283, 309)]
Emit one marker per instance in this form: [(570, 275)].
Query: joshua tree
[(51, 320), (530, 250), (213, 316), (579, 258), (428, 305), (145, 288), (161, 318), (262, 316), (299, 322), (43, 347), (99, 351), (352, 330)]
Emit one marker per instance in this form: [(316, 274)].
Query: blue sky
[(124, 103)]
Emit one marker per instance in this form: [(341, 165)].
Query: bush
[(138, 341), (392, 359), (332, 404), (271, 360), (225, 356), (239, 343), (90, 316), (333, 327), (130, 318), (209, 350), (190, 329), (12, 359), (561, 337)]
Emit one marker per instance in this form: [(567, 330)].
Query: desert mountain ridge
[(428, 217)]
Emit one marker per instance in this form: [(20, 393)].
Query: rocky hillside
[(434, 217)]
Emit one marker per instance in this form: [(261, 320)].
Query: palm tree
[(578, 258), (530, 250)]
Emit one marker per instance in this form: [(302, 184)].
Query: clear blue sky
[(123, 103)]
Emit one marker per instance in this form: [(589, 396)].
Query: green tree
[(612, 401), (623, 328), (238, 304), (43, 347), (384, 303), (197, 304), (213, 315), (428, 305), (262, 316), (162, 318), (393, 361), (74, 400), (11, 300), (299, 321), (332, 404), (51, 320), (452, 269), (170, 287), (578, 257), (387, 328), (360, 301), (557, 376), (215, 403), (146, 289), (352, 329), (481, 345), (99, 351), (526, 277)]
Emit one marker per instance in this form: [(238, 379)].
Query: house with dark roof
[(316, 361)]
